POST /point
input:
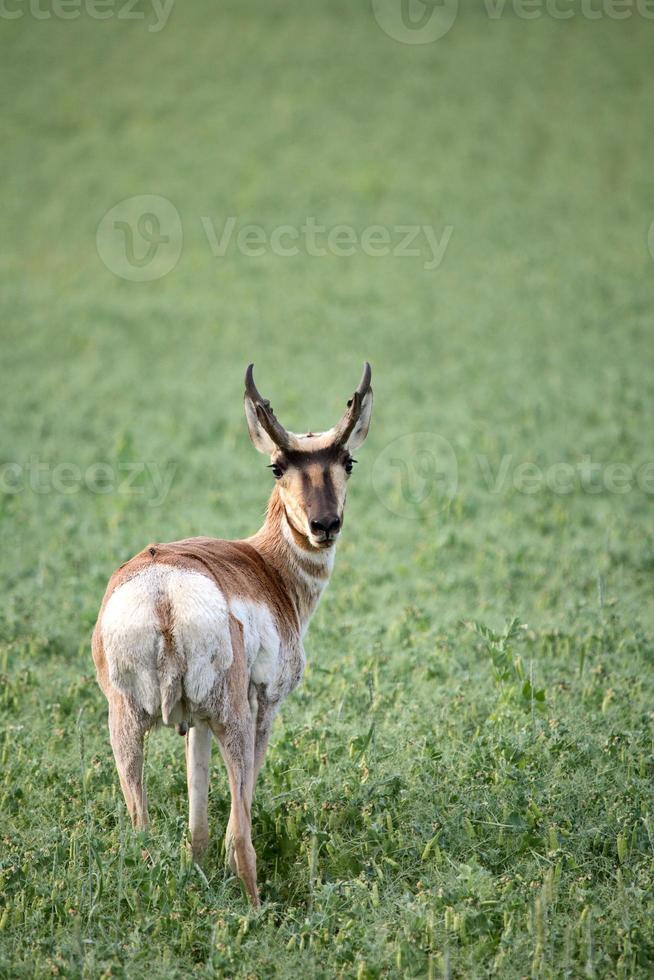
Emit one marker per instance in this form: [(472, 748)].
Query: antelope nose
[(329, 525)]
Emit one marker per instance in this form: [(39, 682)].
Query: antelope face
[(311, 470), (312, 488)]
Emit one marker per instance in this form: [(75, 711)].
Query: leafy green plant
[(508, 668)]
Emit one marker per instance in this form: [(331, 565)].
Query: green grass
[(439, 799)]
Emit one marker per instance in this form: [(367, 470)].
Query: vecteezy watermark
[(140, 238), (342, 240), (584, 475), (418, 474), (425, 21), (155, 12), (567, 9), (650, 239), (415, 474), (150, 480), (415, 21)]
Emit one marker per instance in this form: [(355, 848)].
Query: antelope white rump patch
[(133, 639)]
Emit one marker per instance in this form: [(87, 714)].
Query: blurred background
[(522, 145), (461, 194)]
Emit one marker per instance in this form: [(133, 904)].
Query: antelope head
[(312, 469)]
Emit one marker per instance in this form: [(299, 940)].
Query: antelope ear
[(360, 430), (260, 438)]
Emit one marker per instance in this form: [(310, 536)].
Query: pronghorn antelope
[(206, 635)]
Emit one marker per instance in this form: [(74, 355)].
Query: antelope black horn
[(350, 418), (264, 411)]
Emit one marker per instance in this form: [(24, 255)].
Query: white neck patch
[(321, 559)]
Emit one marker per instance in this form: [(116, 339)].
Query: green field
[(440, 799)]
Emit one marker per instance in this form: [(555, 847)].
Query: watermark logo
[(585, 475), (156, 13), (568, 9), (416, 474), (148, 479), (140, 238), (425, 21), (317, 240), (415, 21)]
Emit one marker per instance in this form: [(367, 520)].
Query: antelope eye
[(349, 464), (277, 471)]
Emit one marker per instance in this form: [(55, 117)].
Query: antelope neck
[(304, 570)]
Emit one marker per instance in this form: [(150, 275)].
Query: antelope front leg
[(237, 747), (198, 759), (240, 853), (262, 714)]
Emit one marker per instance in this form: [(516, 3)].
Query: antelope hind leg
[(127, 728)]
